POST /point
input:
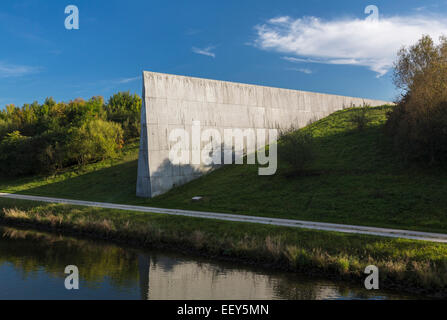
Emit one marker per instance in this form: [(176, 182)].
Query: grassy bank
[(356, 179), (413, 266)]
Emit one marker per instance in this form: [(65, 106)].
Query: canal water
[(32, 266)]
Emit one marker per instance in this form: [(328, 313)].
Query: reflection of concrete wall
[(190, 280), (174, 279), (172, 102)]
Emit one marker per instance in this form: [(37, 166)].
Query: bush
[(297, 149), (94, 141), (419, 133), (50, 151), (21, 155), (418, 124), (360, 117), (16, 155)]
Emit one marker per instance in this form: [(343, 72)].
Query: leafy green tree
[(95, 140), (125, 109)]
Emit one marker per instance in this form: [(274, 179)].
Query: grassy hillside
[(355, 179)]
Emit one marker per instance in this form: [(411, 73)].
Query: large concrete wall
[(172, 102)]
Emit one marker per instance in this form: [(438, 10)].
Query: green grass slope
[(356, 179)]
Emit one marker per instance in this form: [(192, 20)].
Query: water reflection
[(32, 267)]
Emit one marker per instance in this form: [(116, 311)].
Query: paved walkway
[(405, 234)]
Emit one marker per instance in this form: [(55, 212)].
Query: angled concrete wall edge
[(143, 179)]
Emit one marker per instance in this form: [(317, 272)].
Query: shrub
[(16, 155), (297, 149), (288, 131), (21, 155), (419, 133), (95, 140), (418, 124), (360, 117), (50, 151)]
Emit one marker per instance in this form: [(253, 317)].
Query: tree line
[(43, 138)]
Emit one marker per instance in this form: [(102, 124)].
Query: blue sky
[(323, 46)]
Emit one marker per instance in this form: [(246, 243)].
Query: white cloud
[(11, 70), (192, 31), (303, 70), (431, 7), (420, 8), (205, 51), (127, 80), (367, 43)]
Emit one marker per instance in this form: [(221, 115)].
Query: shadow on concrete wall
[(169, 175)]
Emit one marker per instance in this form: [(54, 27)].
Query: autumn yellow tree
[(418, 123)]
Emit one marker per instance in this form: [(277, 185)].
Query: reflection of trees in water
[(143, 270), (30, 251), (308, 288), (303, 289)]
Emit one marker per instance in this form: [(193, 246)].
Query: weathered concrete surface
[(383, 232), (172, 102)]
